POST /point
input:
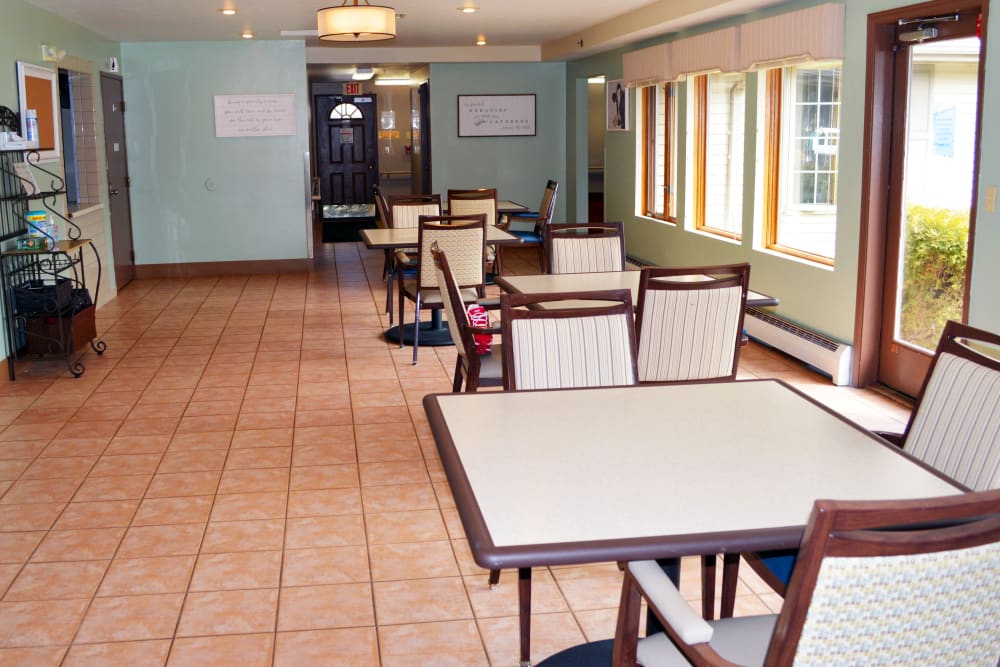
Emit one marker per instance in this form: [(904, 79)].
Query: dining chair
[(689, 322), (404, 211), (905, 582), (472, 202), (476, 370), (382, 222), (538, 219), (584, 247), (954, 427), (463, 237)]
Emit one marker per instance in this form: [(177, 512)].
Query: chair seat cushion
[(432, 297), (491, 365), (742, 640), (527, 237)]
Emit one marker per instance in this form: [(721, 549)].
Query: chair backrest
[(454, 306), (955, 424), (591, 345), (463, 237), (914, 580), (584, 247), (381, 208), (548, 205), (689, 322), (405, 210), (471, 202)]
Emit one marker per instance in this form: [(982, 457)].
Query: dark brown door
[(120, 209), (346, 148), (934, 107), (424, 94)]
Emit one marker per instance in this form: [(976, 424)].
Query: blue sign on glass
[(944, 132)]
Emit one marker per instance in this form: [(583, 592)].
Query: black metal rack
[(47, 306)]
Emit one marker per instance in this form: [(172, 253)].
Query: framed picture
[(617, 106), (38, 89), (496, 115)]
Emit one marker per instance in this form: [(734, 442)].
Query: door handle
[(112, 191)]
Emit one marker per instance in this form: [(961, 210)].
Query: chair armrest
[(676, 612), (490, 304), (894, 438), (403, 259)]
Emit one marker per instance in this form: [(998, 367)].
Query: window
[(801, 132), (346, 111), (659, 152), (78, 122), (718, 112)]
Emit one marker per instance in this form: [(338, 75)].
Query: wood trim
[(235, 268), (669, 119), (648, 139), (772, 154), (984, 10), (700, 139)]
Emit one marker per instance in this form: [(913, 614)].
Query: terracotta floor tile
[(42, 656), (150, 653), (40, 491), (325, 531), (275, 437), (74, 467), (22, 449), (398, 498), (170, 540), (323, 455), (79, 544), (212, 440), (230, 536), (56, 581), (402, 527), (324, 502), (418, 560), (329, 565), (256, 479), (223, 651), (393, 472), (40, 623), (317, 418), (376, 414), (141, 576), (148, 426), (76, 447), (207, 423), (591, 586), (208, 408), (259, 457), (30, 431), (550, 633), (192, 461), (113, 488), (131, 618), (184, 484), (137, 444), (324, 477), (228, 612), (420, 601), (11, 469), (546, 598), (127, 464), (324, 436), (341, 647), (243, 569), (158, 511), (245, 506), (158, 410), (455, 643), (29, 516), (18, 547), (268, 404), (332, 606)]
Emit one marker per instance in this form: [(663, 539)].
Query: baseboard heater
[(826, 355)]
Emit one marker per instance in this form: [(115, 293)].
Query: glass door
[(935, 110)]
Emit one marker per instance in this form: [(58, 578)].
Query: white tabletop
[(612, 474), (579, 282), (407, 236)]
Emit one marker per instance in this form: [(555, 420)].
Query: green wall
[(818, 297), (200, 198), (517, 166)]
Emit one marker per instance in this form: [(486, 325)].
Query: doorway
[(925, 92), (346, 148), (119, 203)]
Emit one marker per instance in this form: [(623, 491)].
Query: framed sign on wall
[(496, 115)]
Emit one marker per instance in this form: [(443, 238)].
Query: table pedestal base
[(432, 334)]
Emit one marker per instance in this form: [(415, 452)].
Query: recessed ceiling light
[(596, 79), (247, 34), (481, 41), (227, 11), (468, 9), (363, 73), (393, 81)]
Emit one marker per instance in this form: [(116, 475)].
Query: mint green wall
[(199, 198), (817, 297), (517, 166)]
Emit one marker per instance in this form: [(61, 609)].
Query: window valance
[(816, 33), (716, 51), (646, 66)]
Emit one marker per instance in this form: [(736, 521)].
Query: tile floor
[(246, 477)]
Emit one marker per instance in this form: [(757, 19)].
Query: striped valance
[(646, 66), (816, 33), (716, 51)]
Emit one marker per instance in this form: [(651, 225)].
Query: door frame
[(119, 284), (878, 173)]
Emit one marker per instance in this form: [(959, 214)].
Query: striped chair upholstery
[(585, 346), (585, 248), (924, 592), (689, 322)]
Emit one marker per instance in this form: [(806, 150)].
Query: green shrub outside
[(937, 240)]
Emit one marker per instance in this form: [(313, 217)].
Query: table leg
[(524, 597)]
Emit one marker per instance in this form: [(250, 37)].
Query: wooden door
[(119, 203), (346, 148)]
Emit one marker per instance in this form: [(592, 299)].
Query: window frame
[(650, 102), (776, 135)]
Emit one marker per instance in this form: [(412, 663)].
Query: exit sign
[(352, 88)]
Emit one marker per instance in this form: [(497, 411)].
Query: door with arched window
[(346, 148)]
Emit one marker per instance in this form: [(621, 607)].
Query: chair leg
[(730, 577), (541, 257), (388, 295), (416, 328), (402, 306), (627, 628), (494, 580), (456, 384), (708, 587)]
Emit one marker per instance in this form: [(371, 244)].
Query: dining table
[(603, 280), (653, 471), (436, 331)]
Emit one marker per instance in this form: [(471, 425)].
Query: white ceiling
[(514, 29)]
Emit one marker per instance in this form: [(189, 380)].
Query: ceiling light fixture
[(481, 41), (227, 11), (468, 9), (356, 23), (247, 34), (363, 73), (596, 79), (394, 81)]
